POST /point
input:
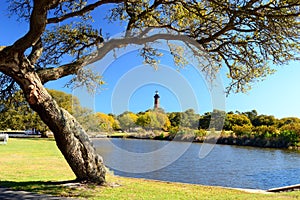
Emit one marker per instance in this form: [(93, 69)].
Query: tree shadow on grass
[(69, 188)]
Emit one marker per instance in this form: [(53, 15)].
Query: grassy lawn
[(36, 165)]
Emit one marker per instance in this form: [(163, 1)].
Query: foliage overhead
[(246, 36)]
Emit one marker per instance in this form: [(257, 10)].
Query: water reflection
[(229, 166)]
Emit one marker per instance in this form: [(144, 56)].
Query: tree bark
[(70, 137)]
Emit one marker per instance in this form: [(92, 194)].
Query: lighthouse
[(156, 100)]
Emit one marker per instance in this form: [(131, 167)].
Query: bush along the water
[(287, 136), (291, 133), (265, 132), (244, 130)]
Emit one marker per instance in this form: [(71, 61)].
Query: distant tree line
[(16, 114), (264, 127)]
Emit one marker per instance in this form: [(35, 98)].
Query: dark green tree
[(264, 120), (17, 115), (288, 120), (204, 120), (251, 115), (188, 119), (212, 120), (175, 118)]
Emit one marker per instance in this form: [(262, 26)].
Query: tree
[(163, 120), (17, 115), (244, 35), (192, 118), (104, 122), (251, 115), (288, 120), (188, 119), (174, 118), (144, 120), (127, 120), (153, 119), (213, 120), (266, 120), (204, 121), (116, 123), (236, 119)]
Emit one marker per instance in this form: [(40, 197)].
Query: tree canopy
[(245, 36)]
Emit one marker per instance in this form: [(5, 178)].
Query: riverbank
[(228, 139), (36, 165)]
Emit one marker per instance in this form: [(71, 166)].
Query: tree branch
[(51, 74), (82, 11), (227, 27), (36, 52), (133, 18), (8, 86), (37, 25), (119, 43)]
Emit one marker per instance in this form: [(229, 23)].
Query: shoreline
[(249, 190), (223, 140), (287, 188)]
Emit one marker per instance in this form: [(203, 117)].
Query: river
[(224, 165)]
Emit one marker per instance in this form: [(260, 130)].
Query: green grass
[(118, 134), (36, 165)]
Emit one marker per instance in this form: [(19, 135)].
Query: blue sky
[(130, 85)]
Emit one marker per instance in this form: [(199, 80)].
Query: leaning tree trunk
[(70, 137)]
